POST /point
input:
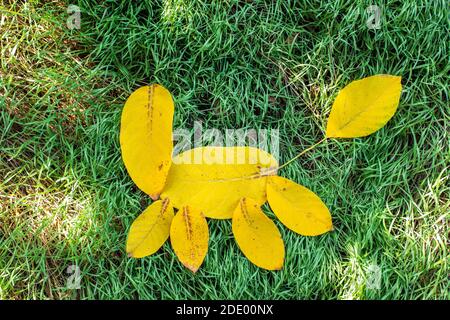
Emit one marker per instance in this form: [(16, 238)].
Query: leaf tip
[(278, 268), (154, 197), (192, 268)]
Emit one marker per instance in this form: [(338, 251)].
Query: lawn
[(66, 198)]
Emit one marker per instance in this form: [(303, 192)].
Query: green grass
[(65, 196)]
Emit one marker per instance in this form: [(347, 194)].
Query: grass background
[(65, 197)]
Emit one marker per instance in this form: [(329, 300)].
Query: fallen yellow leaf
[(297, 207), (364, 106), (189, 237), (215, 187), (150, 229), (257, 236), (146, 137)]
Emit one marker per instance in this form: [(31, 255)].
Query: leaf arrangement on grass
[(203, 182)]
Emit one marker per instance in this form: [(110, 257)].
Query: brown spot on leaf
[(164, 206), (188, 222), (154, 196)]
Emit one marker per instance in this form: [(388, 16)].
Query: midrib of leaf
[(252, 176), (242, 178), (352, 119), (150, 111), (188, 223), (244, 210)]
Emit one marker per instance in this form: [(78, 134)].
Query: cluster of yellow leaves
[(215, 187)]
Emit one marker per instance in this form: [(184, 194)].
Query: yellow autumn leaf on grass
[(364, 106), (257, 236), (146, 137), (189, 237), (150, 229), (297, 207), (214, 179)]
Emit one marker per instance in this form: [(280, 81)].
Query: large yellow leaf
[(297, 207), (214, 179), (189, 237), (146, 137), (257, 236), (150, 230), (364, 106)]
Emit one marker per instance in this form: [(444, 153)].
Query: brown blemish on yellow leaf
[(165, 204), (187, 221), (154, 197), (150, 109), (244, 210)]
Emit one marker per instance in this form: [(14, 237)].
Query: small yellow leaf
[(189, 237), (150, 230), (214, 179), (257, 236), (297, 207), (364, 106), (146, 137)]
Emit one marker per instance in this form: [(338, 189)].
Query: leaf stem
[(275, 170), (301, 153)]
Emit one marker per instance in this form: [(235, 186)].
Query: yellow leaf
[(212, 179), (150, 230), (364, 106), (189, 237), (297, 207), (257, 236), (146, 137)]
